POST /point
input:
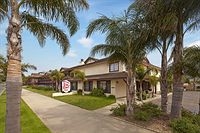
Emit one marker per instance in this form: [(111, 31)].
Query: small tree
[(141, 72), (79, 75), (57, 76), (153, 79)]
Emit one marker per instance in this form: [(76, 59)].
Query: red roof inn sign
[(66, 86)]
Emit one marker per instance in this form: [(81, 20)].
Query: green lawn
[(86, 102), (30, 123), (41, 90)]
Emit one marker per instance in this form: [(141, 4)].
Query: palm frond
[(106, 49), (195, 25), (3, 9), (42, 30), (78, 74), (57, 10), (27, 66)]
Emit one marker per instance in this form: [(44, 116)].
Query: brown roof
[(118, 75), (90, 58), (145, 62), (97, 61)]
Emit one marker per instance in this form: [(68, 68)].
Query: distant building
[(100, 73), (40, 79)]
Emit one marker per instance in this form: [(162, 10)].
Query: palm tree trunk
[(141, 91), (83, 93), (199, 105), (130, 92), (194, 84), (14, 75), (164, 89), (177, 73), (56, 85), (59, 87), (153, 91)]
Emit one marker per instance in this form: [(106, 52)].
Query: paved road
[(60, 117), (190, 101)]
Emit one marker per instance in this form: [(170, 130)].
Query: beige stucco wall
[(99, 68), (120, 90), (158, 87), (80, 85), (94, 84), (94, 69)]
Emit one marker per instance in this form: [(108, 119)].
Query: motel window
[(114, 67), (74, 85), (88, 85), (105, 85)]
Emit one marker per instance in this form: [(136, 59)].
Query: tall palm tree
[(187, 13), (123, 43), (35, 16), (156, 14), (57, 76), (141, 73), (79, 75)]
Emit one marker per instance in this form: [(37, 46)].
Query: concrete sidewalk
[(60, 117)]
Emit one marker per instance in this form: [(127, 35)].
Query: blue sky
[(50, 56)]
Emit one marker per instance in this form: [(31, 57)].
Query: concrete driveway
[(60, 117), (190, 101)]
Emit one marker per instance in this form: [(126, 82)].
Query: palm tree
[(35, 16), (187, 13), (57, 76), (25, 68), (79, 75), (153, 79), (191, 63), (191, 58), (141, 73), (124, 43), (4, 64), (156, 14)]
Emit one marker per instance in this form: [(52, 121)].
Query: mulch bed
[(159, 125)]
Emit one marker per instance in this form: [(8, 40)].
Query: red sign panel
[(66, 86)]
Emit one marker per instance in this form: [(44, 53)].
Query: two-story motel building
[(100, 73)]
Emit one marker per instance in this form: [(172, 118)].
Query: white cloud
[(86, 42), (196, 43), (72, 53)]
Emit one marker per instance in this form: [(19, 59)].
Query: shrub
[(99, 92), (111, 97), (79, 92), (120, 110), (142, 115), (186, 113), (147, 111), (184, 125), (152, 109), (196, 120)]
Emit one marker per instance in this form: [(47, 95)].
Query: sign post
[(66, 86)]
